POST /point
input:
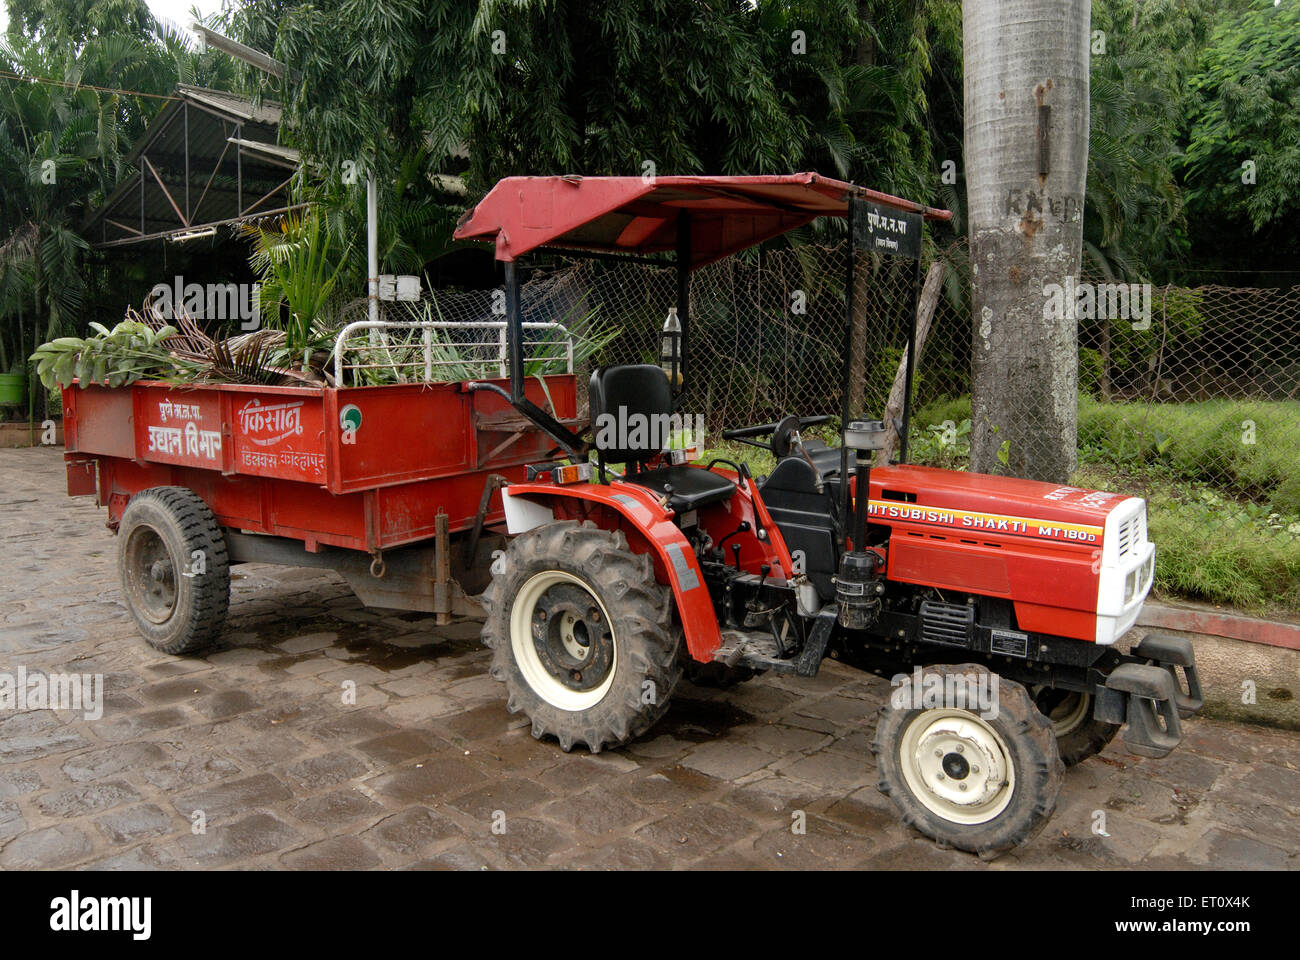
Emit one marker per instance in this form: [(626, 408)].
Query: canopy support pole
[(851, 254), (683, 296), (566, 438), (372, 248)]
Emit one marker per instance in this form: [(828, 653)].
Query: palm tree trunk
[(862, 268), (1026, 156), (38, 281)]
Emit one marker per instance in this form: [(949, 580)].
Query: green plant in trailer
[(129, 352), (293, 261), (389, 357)]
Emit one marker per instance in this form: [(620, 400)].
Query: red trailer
[(395, 486)]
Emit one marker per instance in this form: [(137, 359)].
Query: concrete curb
[(1215, 624), (1250, 668)]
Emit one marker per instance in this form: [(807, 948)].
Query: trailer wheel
[(984, 784), (175, 569), (1079, 735), (582, 635)]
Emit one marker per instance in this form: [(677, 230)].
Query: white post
[(372, 253)]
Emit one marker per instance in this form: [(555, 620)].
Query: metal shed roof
[(209, 158)]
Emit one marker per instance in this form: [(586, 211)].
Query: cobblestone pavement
[(417, 773)]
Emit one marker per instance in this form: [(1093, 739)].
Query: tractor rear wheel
[(582, 635), (1079, 735), (175, 569), (983, 782)]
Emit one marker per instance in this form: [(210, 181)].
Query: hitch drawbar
[(1147, 693)]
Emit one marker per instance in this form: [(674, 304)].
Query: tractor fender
[(530, 505)]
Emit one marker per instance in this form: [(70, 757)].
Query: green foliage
[(864, 89), (1133, 206), (954, 409), (1090, 372), (607, 88), (1247, 109), (400, 356), (1178, 320), (70, 22), (1248, 448), (943, 444), (1201, 556), (1211, 547), (859, 93), (129, 352), (297, 275), (63, 146), (562, 86)]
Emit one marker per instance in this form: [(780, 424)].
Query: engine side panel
[(1038, 545)]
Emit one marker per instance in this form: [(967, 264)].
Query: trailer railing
[(454, 358)]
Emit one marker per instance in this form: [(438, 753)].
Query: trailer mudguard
[(649, 529)]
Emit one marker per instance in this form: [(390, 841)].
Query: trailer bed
[(367, 468)]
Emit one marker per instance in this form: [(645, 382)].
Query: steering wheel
[(782, 433)]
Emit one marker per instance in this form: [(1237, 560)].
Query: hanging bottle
[(670, 350)]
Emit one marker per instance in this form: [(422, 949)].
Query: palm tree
[(62, 144), (1026, 113), (49, 135)]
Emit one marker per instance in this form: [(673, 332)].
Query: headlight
[(1130, 585)]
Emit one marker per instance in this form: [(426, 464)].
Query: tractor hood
[(1074, 562), (1010, 506)]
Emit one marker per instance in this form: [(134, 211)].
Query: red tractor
[(995, 603)]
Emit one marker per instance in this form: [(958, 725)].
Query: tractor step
[(1173, 653), (758, 651), (1153, 728)]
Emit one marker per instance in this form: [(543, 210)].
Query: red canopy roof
[(633, 215)]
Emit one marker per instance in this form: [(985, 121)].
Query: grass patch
[(1211, 548), (1200, 557), (1247, 447)]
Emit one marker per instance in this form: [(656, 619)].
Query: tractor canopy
[(640, 215), (699, 220)]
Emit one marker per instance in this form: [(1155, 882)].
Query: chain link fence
[(1190, 399)]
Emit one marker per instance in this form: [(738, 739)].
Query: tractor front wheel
[(582, 635), (977, 772)]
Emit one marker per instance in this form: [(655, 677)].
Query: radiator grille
[(949, 623)]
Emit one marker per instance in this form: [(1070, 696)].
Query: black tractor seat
[(642, 391), (692, 487), (803, 513), (827, 459)]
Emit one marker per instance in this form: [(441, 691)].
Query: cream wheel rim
[(563, 641), (957, 765)]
